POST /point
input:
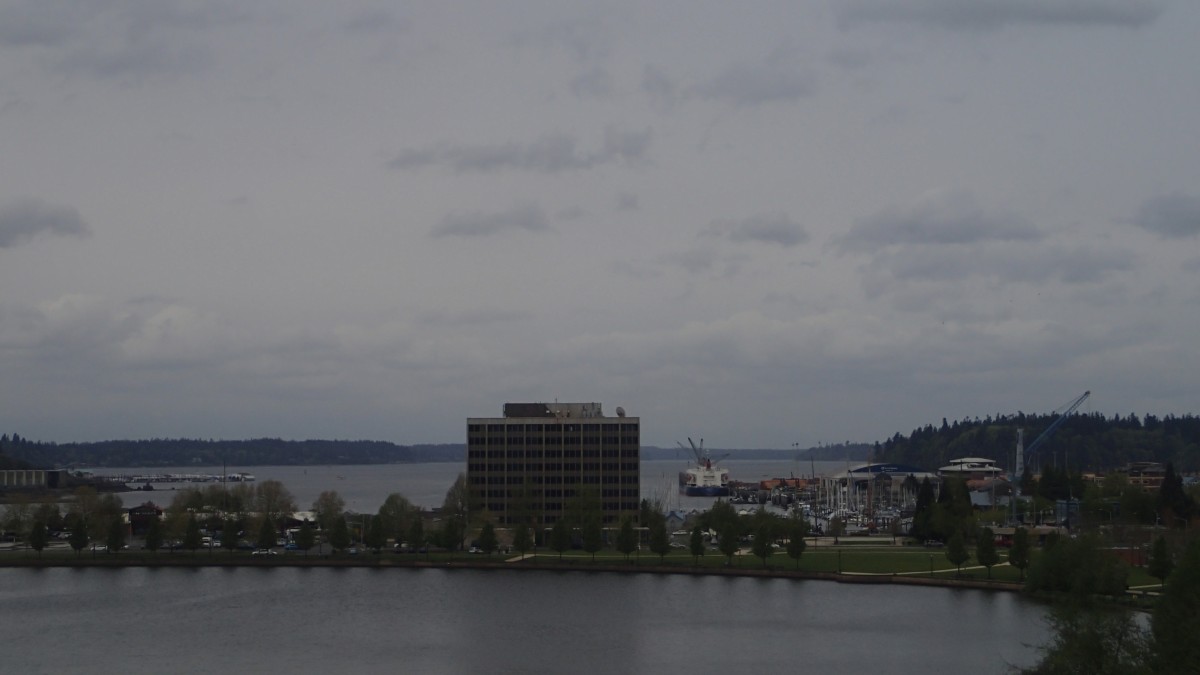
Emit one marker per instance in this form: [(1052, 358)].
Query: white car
[(264, 551)]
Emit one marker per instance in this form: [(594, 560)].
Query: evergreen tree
[(956, 550), (154, 535), (985, 549), (522, 539), (1160, 560), (487, 538), (375, 537), (267, 534), (39, 536), (229, 536), (660, 542), (1176, 621), (762, 546), (79, 536), (728, 543), (922, 522), (796, 543), (560, 537), (191, 536), (116, 535), (626, 538), (306, 538), (339, 536), (696, 544), (1018, 554), (416, 534), (593, 535)]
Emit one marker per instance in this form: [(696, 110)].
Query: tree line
[(1092, 441)]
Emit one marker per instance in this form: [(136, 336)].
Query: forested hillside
[(255, 452), (1085, 442)]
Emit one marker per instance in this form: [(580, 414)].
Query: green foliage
[(375, 538), (660, 542), (306, 538), (796, 543), (922, 522), (560, 537), (396, 514), (1160, 559), (727, 542), (522, 538), (956, 550), (762, 546), (191, 536), (116, 535), (416, 533), (1077, 567), (1093, 642), (267, 534), (626, 538), (593, 535), (487, 538), (721, 517), (1176, 621), (79, 535), (39, 536), (985, 549), (154, 535), (328, 507), (696, 543), (229, 534), (1018, 554), (339, 535)]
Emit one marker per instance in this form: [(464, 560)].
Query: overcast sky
[(757, 223)]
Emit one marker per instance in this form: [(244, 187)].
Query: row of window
[(478, 452), (560, 428), (500, 440)]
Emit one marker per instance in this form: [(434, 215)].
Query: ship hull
[(707, 491)]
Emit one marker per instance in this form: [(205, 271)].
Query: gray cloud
[(1173, 216), (775, 228), (549, 154), (23, 219), (984, 15), (1004, 263), (938, 217), (596, 82), (752, 85), (34, 23), (528, 217)]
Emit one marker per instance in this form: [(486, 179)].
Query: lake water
[(364, 487), (297, 620)]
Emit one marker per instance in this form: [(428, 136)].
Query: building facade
[(540, 461)]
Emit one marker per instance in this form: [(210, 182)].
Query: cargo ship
[(703, 479)]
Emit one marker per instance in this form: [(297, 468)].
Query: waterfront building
[(541, 460), (971, 468)]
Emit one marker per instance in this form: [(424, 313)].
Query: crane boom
[(1045, 435)]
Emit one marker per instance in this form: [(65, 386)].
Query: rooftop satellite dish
[(620, 411)]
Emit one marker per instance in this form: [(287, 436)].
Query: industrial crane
[(1028, 453)]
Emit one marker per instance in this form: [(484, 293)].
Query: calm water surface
[(211, 620)]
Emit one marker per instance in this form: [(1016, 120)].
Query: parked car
[(264, 551)]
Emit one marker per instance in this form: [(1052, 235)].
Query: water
[(216, 620), (364, 487)]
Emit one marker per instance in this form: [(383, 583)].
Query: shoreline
[(170, 560)]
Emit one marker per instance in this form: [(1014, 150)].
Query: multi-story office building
[(540, 460)]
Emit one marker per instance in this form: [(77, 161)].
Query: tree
[(522, 539), (455, 511), (191, 537), (956, 550), (306, 538), (727, 542), (116, 535), (560, 537), (985, 549), (660, 542), (79, 536), (593, 535), (416, 534), (626, 538), (267, 534), (1018, 554), (229, 536), (396, 514), (762, 546), (1176, 620), (154, 535), (375, 537), (487, 538), (39, 536), (328, 507), (273, 501), (1088, 642), (1160, 560), (339, 535), (796, 543), (696, 544), (922, 522), (837, 527)]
